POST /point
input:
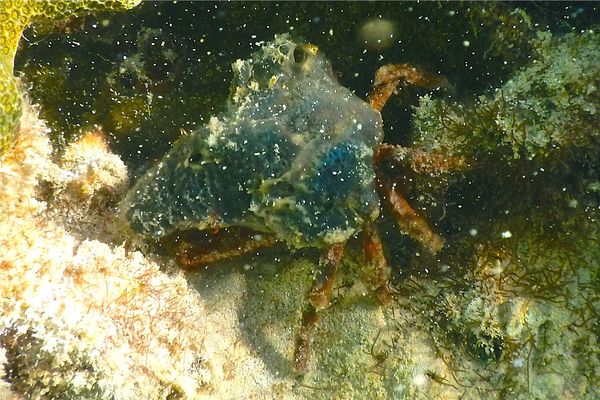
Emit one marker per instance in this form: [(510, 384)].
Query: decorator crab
[(295, 158)]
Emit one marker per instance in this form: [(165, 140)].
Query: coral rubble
[(82, 318)]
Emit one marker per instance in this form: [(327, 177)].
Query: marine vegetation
[(15, 16), (537, 135), (522, 226), (514, 123), (502, 163)]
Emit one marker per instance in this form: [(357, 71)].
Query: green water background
[(146, 74)]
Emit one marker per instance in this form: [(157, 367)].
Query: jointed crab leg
[(192, 255), (318, 300), (375, 261), (409, 220), (389, 76), (418, 160), (387, 79)]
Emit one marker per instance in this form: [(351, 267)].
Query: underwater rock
[(92, 169), (292, 157), (84, 318), (547, 108)]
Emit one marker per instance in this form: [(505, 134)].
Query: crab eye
[(195, 158), (300, 55)]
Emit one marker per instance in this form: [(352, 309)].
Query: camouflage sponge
[(15, 16)]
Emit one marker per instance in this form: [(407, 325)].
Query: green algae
[(547, 108)]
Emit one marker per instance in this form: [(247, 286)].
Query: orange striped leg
[(318, 301), (375, 261)]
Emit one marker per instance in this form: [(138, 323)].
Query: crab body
[(296, 156), (292, 157)]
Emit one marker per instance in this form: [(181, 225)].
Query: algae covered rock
[(545, 109), (554, 103), (15, 16), (522, 227), (535, 139)]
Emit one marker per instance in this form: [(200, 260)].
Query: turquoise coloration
[(291, 156)]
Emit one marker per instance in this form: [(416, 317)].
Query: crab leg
[(419, 160), (387, 79), (375, 261), (389, 76), (192, 255), (409, 220), (318, 300)]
